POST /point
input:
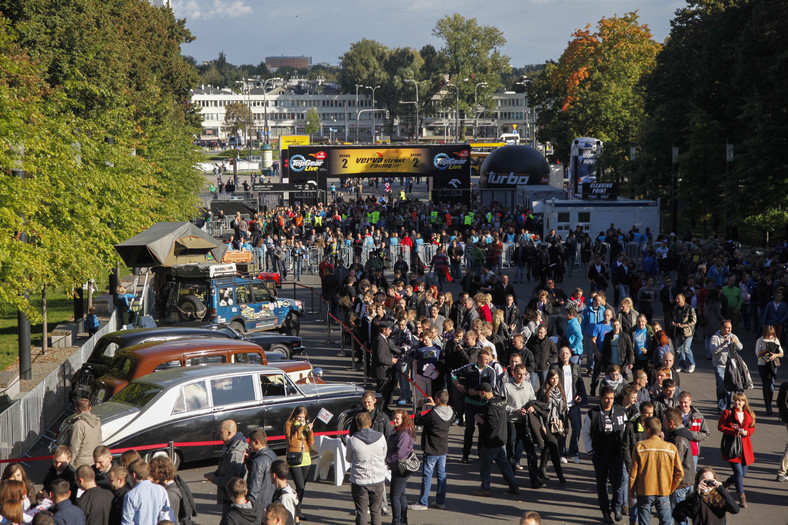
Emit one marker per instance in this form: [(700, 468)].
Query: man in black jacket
[(258, 468), (679, 435), (617, 349), (95, 502), (66, 513), (603, 434), (119, 486), (242, 510), (383, 362), (544, 351), (575, 392), (493, 433), (435, 444)]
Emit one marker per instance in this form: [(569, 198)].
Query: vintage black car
[(186, 405), (107, 346)]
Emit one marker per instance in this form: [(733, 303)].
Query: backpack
[(188, 508), (737, 375)]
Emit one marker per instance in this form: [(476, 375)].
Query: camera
[(709, 482)]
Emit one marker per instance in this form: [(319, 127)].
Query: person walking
[(769, 351), (366, 453), (493, 435), (681, 437), (721, 344), (603, 434), (231, 462), (655, 474), (468, 380), (709, 502), (300, 438), (683, 325), (738, 422), (552, 394), (399, 446), (383, 362), (575, 393), (258, 468), (436, 423)]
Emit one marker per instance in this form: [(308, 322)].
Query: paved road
[(576, 503)]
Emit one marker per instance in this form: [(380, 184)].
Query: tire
[(279, 349), (156, 453), (190, 308), (291, 326), (238, 326)]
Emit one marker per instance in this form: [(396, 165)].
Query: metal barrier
[(400, 249), (425, 252), (634, 253), (313, 258), (507, 254), (26, 421), (346, 254)]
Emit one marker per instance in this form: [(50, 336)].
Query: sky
[(535, 30)]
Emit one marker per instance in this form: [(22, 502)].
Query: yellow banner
[(285, 141), (354, 161)]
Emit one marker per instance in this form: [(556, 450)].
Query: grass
[(60, 308)]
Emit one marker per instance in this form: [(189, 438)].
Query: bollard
[(328, 328), (171, 451), (312, 302), (320, 318)]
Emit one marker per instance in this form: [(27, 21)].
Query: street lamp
[(373, 88), (418, 127), (357, 86), (457, 119), (265, 106), (476, 110), (532, 126)]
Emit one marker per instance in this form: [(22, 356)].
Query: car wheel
[(164, 453), (238, 326), (279, 349), (292, 325), (190, 308), (345, 423)]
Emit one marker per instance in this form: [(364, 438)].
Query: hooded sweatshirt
[(366, 453), (435, 436), (85, 437), (242, 513)]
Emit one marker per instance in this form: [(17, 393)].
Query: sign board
[(285, 141), (599, 191), (270, 186)]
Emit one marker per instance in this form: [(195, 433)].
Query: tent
[(170, 243)]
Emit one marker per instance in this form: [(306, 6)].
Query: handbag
[(731, 446), (409, 465), (557, 426), (294, 459)]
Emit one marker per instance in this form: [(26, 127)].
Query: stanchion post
[(171, 451), (366, 365), (328, 327)]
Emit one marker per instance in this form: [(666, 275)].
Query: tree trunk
[(44, 324)]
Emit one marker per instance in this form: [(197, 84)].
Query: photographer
[(708, 504)]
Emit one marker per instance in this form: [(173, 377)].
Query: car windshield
[(122, 367), (105, 350), (137, 394)]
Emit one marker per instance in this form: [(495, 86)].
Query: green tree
[(312, 125), (236, 117), (595, 89), (471, 55)]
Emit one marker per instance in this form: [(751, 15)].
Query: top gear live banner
[(448, 165)]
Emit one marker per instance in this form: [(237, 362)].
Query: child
[(91, 321)]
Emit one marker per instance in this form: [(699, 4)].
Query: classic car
[(188, 404), (136, 361), (108, 345)]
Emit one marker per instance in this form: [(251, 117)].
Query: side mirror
[(317, 372)]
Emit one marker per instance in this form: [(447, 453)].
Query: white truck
[(596, 216)]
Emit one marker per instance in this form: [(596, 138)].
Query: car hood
[(114, 417), (331, 389)]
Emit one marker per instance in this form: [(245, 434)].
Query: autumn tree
[(236, 117), (595, 89)]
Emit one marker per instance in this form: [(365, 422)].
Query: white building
[(286, 113)]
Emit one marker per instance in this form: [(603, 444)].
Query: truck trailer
[(596, 216)]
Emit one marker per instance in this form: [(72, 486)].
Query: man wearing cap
[(493, 434), (383, 362)]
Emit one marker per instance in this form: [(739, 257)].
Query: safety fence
[(27, 420)]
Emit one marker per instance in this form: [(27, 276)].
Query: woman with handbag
[(300, 437), (737, 427), (708, 503), (399, 459), (554, 429), (769, 352)]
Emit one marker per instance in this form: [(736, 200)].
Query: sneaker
[(782, 478), (417, 506), (385, 511), (402, 402), (518, 467), (618, 516), (576, 459), (691, 369), (564, 460), (679, 369), (483, 493), (437, 505)]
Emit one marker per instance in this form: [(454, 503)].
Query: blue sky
[(535, 30)]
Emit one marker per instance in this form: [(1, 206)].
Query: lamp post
[(265, 105), (373, 88), (531, 127), (457, 119), (357, 86), (418, 126), (476, 110)]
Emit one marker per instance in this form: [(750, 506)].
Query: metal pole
[(476, 110), (357, 86), (418, 127)]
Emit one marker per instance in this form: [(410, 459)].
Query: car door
[(235, 397), (280, 396), (191, 419), (264, 306)]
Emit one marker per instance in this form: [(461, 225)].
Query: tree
[(471, 55), (595, 89), (363, 64), (236, 117), (312, 125)]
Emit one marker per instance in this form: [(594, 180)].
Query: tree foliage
[(721, 80), (595, 89), (236, 117), (94, 108), (312, 125)]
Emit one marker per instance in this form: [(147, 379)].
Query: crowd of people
[(449, 338)]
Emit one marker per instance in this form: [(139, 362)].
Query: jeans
[(739, 471), (679, 496), (767, 384), (498, 455), (368, 500), (399, 502), (575, 422), (519, 273), (723, 397), (684, 356), (609, 467), (298, 266), (404, 367), (436, 464), (663, 509), (514, 448)]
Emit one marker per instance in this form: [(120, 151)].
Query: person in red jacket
[(739, 421)]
